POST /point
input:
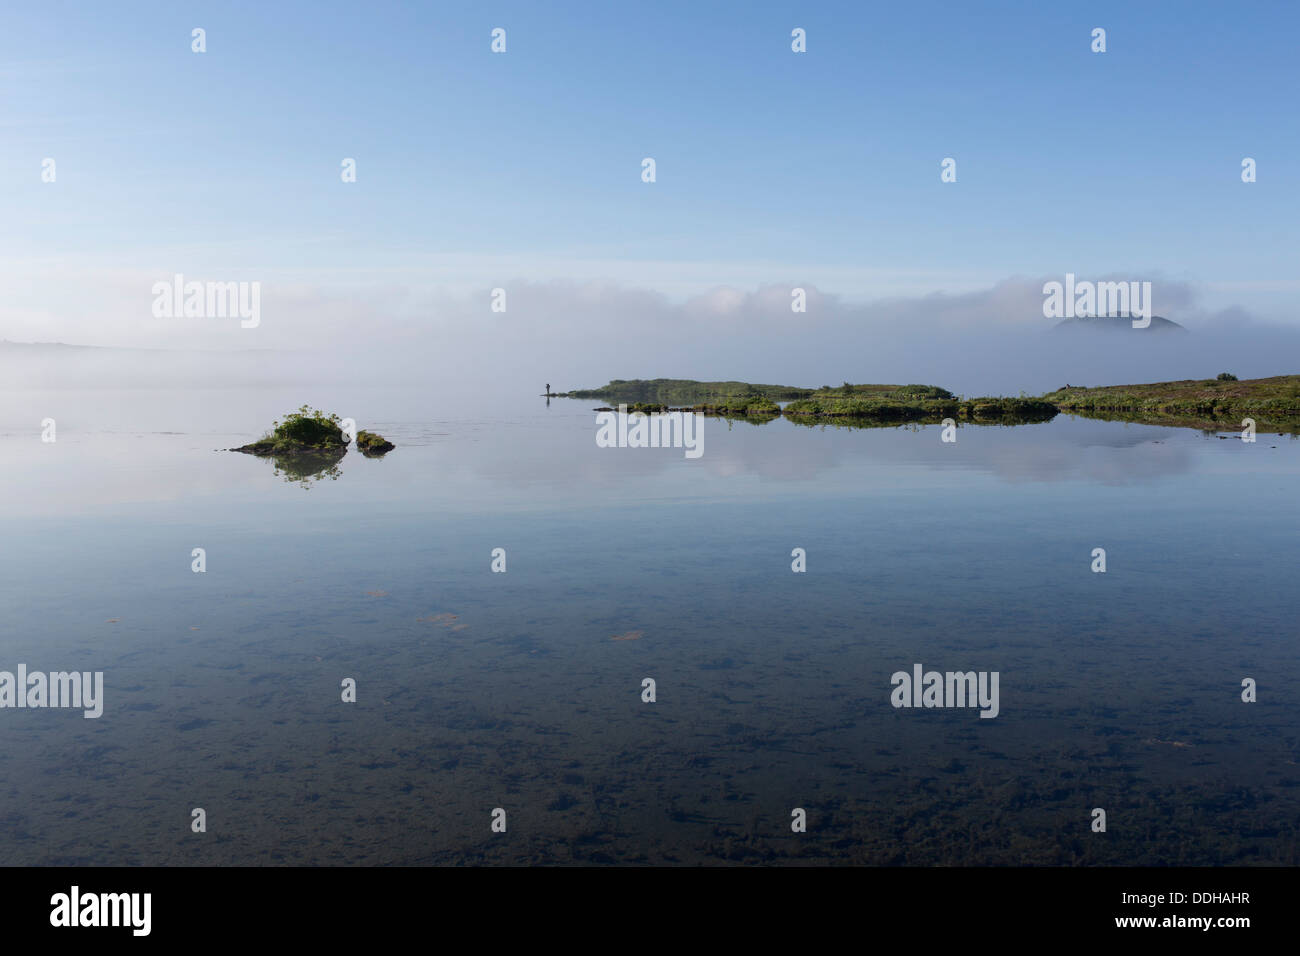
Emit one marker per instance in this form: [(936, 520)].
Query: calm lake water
[(478, 690)]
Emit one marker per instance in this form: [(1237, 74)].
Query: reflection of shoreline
[(1204, 424), (850, 422), (305, 467), (1207, 425), (550, 460)]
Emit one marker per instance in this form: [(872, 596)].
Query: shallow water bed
[(523, 690)]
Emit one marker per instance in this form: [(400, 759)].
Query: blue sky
[(771, 165)]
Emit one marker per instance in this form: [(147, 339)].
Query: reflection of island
[(305, 467), (309, 444)]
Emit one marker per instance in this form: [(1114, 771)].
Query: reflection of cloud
[(1122, 463), (1062, 450), (1104, 452), (494, 453)]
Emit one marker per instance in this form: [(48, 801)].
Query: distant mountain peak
[(1119, 323)]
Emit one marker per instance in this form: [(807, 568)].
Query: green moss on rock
[(372, 445)]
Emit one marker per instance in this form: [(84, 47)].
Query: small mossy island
[(306, 430), (308, 445), (372, 445)]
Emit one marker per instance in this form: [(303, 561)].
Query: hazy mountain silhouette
[(1119, 323)]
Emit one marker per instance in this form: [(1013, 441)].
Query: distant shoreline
[(1208, 404)]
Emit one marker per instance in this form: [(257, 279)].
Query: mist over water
[(996, 342)]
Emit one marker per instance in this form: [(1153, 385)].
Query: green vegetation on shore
[(862, 403), (747, 406), (1210, 404), (905, 406), (681, 391)]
